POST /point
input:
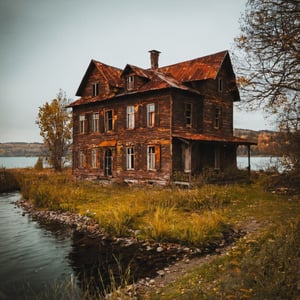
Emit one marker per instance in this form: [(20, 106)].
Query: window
[(81, 159), (108, 120), (96, 122), (218, 118), (217, 158), (188, 114), (108, 160), (130, 117), (94, 158), (130, 83), (130, 158), (82, 123), (95, 89), (151, 158), (220, 85), (150, 114)]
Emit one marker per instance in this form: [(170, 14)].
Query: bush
[(8, 181)]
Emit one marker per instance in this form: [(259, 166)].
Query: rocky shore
[(149, 261)]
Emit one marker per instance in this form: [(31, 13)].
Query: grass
[(193, 217), (263, 265)]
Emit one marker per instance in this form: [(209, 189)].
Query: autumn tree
[(55, 123), (268, 71)]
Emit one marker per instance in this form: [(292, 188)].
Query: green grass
[(263, 265)]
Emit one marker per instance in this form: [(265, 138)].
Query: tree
[(55, 123), (268, 49)]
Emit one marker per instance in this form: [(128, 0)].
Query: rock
[(161, 273), (159, 249)]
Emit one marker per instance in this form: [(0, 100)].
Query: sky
[(47, 45)]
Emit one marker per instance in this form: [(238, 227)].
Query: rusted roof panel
[(202, 68), (212, 138), (138, 71), (111, 74)]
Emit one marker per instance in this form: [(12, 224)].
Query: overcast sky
[(48, 44)]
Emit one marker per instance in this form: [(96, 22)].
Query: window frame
[(188, 118), (130, 117), (218, 117), (151, 158), (95, 89), (151, 115), (96, 122), (82, 123), (94, 158), (130, 82), (130, 158), (82, 159), (109, 121), (220, 84)]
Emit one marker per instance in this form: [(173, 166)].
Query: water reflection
[(38, 258)]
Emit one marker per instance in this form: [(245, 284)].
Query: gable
[(106, 75)]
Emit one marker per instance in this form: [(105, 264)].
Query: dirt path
[(181, 267)]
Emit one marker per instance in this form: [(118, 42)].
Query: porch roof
[(212, 138)]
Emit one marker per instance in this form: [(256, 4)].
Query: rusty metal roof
[(202, 68), (173, 76), (213, 138)]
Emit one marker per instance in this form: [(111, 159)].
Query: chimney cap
[(154, 51)]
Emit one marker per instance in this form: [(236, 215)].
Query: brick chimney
[(154, 54)]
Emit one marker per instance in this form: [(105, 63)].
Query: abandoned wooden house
[(145, 125)]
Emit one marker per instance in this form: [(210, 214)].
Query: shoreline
[(165, 258)]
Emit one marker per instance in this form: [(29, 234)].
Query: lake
[(257, 162)]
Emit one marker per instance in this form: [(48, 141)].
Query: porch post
[(249, 164)]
